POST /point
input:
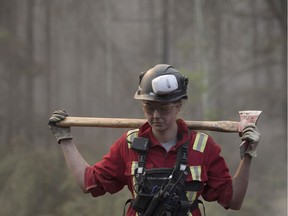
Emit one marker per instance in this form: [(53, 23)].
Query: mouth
[(157, 123)]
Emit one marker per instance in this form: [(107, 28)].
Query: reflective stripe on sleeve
[(131, 135), (200, 142)]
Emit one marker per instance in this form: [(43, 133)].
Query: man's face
[(161, 116)]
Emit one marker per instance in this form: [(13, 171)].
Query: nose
[(156, 114)]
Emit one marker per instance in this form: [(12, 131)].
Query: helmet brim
[(159, 98)]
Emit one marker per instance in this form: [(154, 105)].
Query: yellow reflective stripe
[(133, 191), (134, 165), (200, 142), (191, 195), (131, 135), (196, 172)]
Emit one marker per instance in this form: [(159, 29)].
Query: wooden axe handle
[(220, 126)]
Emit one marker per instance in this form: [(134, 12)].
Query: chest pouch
[(161, 191), (149, 185)]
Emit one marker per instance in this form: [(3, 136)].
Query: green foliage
[(185, 47), (29, 179), (196, 86), (195, 79), (4, 35), (36, 181)]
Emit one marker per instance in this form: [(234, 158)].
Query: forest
[(86, 57)]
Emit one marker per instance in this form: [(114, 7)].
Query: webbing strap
[(124, 210), (181, 161), (203, 207)]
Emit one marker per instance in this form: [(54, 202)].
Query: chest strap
[(141, 146)]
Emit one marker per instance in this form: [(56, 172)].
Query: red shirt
[(116, 169)]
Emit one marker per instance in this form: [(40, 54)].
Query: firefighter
[(166, 166)]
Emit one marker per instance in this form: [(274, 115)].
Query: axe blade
[(248, 116)]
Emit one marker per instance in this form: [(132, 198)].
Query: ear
[(179, 106)]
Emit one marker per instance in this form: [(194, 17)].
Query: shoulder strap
[(181, 169), (182, 156), (141, 146)]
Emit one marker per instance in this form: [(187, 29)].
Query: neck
[(166, 135)]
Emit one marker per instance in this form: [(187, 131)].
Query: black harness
[(162, 191)]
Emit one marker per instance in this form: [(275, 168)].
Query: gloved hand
[(59, 132), (250, 138)]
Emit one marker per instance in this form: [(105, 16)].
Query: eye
[(148, 108), (165, 108)]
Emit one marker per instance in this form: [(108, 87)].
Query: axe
[(249, 116)]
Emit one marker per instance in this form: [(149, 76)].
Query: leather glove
[(59, 132), (250, 138)]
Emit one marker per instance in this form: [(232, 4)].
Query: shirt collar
[(183, 133)]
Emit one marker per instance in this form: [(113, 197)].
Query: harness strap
[(178, 176), (185, 206), (126, 203), (181, 161), (203, 207)]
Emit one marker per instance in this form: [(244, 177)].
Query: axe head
[(248, 116)]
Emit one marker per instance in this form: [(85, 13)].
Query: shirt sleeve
[(108, 175), (219, 184)]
